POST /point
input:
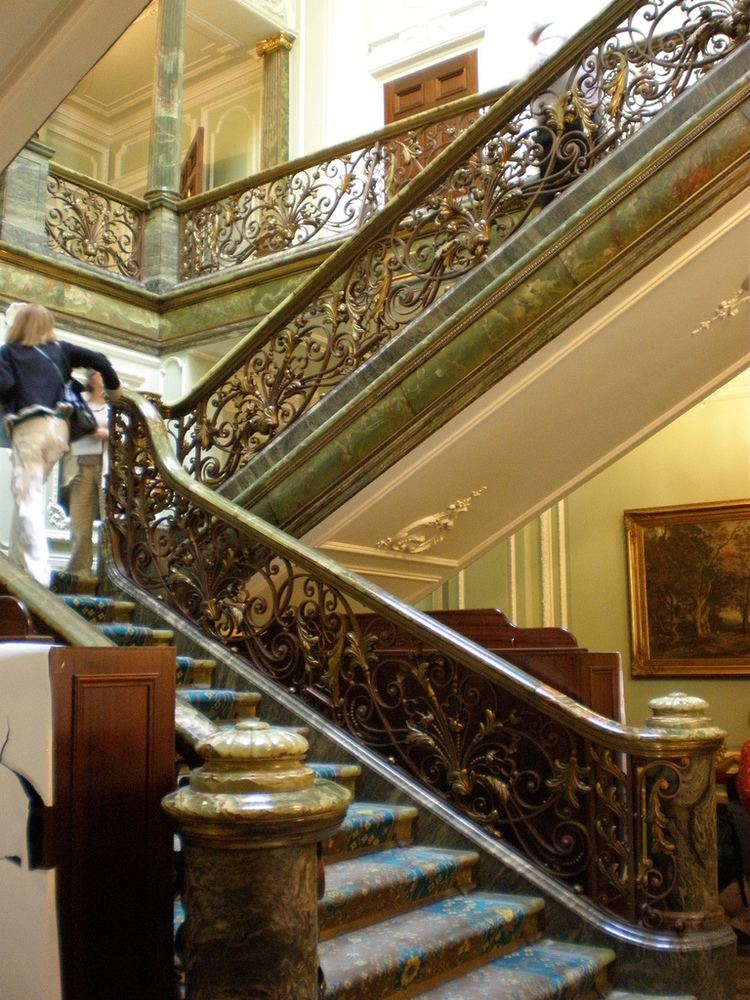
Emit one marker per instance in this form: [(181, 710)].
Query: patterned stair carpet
[(397, 920)]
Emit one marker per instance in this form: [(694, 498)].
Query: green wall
[(702, 456)]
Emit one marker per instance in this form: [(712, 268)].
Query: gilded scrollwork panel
[(518, 165), (628, 830)]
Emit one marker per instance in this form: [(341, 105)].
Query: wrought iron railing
[(631, 61), (317, 198), (624, 816), (93, 223)]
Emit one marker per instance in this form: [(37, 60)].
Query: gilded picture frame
[(689, 584)]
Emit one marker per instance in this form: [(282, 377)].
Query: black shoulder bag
[(81, 421)]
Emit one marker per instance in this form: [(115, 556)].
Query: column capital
[(281, 41)]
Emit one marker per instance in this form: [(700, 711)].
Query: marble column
[(250, 822), (275, 135), (23, 198), (161, 236)]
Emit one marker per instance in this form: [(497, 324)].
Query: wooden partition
[(550, 654), (113, 723)]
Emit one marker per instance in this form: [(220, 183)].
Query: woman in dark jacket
[(34, 366)]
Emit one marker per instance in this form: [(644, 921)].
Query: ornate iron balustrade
[(625, 817), (94, 223), (316, 198), (631, 61)]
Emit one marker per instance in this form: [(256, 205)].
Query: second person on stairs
[(86, 467)]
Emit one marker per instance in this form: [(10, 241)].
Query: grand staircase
[(400, 916)]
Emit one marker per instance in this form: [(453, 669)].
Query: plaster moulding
[(421, 44), (727, 307), (282, 12), (427, 532)]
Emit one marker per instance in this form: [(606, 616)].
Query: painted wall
[(347, 50), (578, 577), (702, 456)]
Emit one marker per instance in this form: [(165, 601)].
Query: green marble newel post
[(161, 236), (678, 807), (23, 198), (275, 139), (250, 821)]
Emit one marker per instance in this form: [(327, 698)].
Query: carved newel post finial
[(250, 821), (678, 805)]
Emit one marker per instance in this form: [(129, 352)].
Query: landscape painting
[(689, 577)]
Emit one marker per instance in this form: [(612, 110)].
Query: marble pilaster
[(161, 235), (23, 197), (275, 137)]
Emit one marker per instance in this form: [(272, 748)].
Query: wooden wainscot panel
[(113, 718)]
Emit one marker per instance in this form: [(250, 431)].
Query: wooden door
[(191, 176), (431, 87)]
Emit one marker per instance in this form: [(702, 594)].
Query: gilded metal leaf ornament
[(658, 820), (569, 780)]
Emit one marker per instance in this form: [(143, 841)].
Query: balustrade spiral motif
[(518, 164), (318, 202), (592, 810), (94, 228)]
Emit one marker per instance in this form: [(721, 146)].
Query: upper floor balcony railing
[(318, 198), (94, 223), (424, 204)]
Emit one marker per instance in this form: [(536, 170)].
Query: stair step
[(222, 705), (400, 955), (195, 672), (342, 774), (137, 635), (63, 582), (99, 609), (366, 889), (547, 970), (629, 995), (371, 827)]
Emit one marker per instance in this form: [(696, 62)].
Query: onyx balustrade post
[(678, 815), (23, 198), (250, 821)]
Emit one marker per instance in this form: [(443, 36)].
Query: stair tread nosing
[(222, 703), (426, 944), (136, 635), (546, 970), (378, 885), (99, 609), (370, 826)]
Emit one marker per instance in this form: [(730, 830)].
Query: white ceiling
[(46, 46), (217, 32)]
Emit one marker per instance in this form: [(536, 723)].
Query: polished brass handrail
[(599, 805), (634, 58)]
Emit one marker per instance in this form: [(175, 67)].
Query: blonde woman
[(34, 366)]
